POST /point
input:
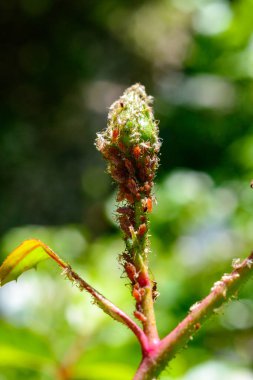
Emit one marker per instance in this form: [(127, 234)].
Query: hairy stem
[(149, 325), (157, 359), (107, 306), (141, 249)]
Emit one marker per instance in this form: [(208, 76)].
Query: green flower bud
[(130, 143)]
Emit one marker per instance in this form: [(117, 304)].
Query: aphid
[(130, 271), (138, 196), (148, 205), (129, 197), (127, 210), (140, 316), (122, 147), (136, 293), (142, 173), (121, 104), (136, 152), (125, 224), (132, 186), (129, 166), (118, 174), (115, 134), (143, 279), (147, 188), (154, 288), (142, 229)]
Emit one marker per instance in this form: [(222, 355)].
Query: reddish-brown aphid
[(111, 153), (129, 197), (129, 166), (140, 316), (136, 152), (115, 134), (122, 147), (138, 196), (136, 294), (142, 229), (121, 194), (127, 210), (143, 279), (132, 186), (121, 104), (118, 174), (147, 188), (130, 271), (142, 173), (125, 224)]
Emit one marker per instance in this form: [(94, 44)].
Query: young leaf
[(32, 252), (24, 257)]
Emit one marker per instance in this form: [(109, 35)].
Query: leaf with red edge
[(26, 256)]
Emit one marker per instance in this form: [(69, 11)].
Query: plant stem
[(158, 358), (149, 325), (107, 306), (142, 264)]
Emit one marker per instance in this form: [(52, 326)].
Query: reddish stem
[(109, 308), (157, 358)]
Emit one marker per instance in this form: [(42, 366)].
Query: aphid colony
[(130, 145)]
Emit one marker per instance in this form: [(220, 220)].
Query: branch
[(221, 292), (107, 306), (32, 252)]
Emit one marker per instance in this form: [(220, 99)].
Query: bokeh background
[(62, 64)]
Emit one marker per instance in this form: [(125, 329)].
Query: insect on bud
[(130, 145), (132, 132)]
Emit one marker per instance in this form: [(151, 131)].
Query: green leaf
[(24, 257)]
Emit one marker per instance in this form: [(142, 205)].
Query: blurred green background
[(62, 64)]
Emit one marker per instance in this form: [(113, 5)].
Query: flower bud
[(130, 144)]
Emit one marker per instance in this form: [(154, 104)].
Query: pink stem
[(154, 361), (108, 307)]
